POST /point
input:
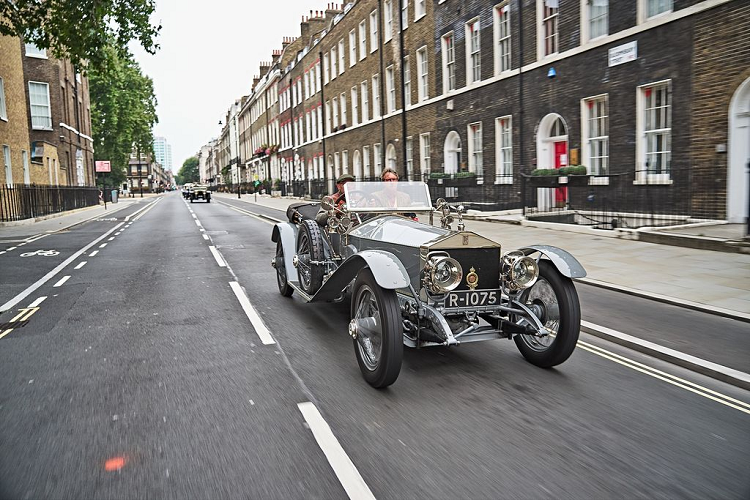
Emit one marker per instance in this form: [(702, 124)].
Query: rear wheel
[(309, 256), (555, 299), (376, 324), (284, 288)]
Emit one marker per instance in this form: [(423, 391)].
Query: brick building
[(652, 95), (14, 125)]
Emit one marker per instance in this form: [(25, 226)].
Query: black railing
[(19, 201)]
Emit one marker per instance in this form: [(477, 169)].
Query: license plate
[(472, 298)]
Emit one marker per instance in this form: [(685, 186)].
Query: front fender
[(563, 261), (388, 271), (287, 232)]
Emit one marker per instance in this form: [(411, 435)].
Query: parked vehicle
[(415, 284), (186, 190), (200, 191)]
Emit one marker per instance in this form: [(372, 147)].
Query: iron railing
[(20, 201)]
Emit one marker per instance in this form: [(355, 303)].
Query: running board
[(299, 290)]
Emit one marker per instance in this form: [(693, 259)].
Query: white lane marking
[(252, 314), (666, 377), (139, 210), (15, 300), (38, 301), (194, 216), (245, 212), (197, 223), (30, 240), (112, 238), (205, 236), (2, 252), (714, 367), (217, 256), (62, 281), (345, 470), (93, 253), (81, 265), (21, 244), (118, 233), (153, 204), (11, 248), (102, 245), (202, 230)]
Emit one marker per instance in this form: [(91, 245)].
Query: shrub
[(439, 175), (464, 175)]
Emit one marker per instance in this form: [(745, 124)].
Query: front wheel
[(555, 300), (377, 330)]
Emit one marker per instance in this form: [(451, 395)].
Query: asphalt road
[(141, 375)]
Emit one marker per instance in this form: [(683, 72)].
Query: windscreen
[(387, 196)]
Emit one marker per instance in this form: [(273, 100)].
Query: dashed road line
[(252, 314), (11, 249), (205, 236), (93, 253), (15, 300), (102, 245), (198, 223), (80, 265), (112, 238), (62, 281), (345, 470), (38, 301), (217, 256), (245, 212)]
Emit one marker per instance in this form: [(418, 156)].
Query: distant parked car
[(186, 190)]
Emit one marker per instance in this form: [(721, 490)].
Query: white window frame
[(407, 81), (646, 135), (328, 117), (362, 39), (474, 133), (32, 105), (587, 8), (643, 9), (390, 85), (26, 170), (420, 9), (448, 42), (342, 56), (378, 160), (501, 28), (352, 47), (326, 68), (473, 36), (3, 107), (424, 154), (365, 95), (588, 139), (504, 150), (404, 14), (423, 68), (409, 158), (31, 50), (320, 122), (366, 162), (387, 21), (342, 103), (373, 31), (335, 111), (345, 161), (541, 40), (376, 110), (334, 63), (7, 161)]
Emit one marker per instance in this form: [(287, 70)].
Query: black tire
[(547, 352), (284, 288), (379, 362), (309, 248)]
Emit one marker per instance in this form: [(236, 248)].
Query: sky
[(209, 53)]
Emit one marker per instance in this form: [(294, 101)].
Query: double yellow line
[(666, 377), (24, 315)]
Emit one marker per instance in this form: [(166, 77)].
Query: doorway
[(739, 154), (552, 152), (452, 152)]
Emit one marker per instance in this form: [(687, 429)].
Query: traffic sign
[(103, 166)]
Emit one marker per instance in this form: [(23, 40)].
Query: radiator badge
[(466, 239), (472, 279)]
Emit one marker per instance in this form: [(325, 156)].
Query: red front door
[(561, 160)]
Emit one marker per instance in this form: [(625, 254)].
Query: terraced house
[(649, 98)]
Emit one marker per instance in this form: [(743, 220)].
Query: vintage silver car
[(417, 284)]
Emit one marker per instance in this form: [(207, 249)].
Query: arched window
[(357, 164), (390, 157), (452, 152)]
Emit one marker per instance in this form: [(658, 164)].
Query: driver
[(339, 198), (390, 196)]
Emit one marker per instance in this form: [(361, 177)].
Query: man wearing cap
[(338, 198)]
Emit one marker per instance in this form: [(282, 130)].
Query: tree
[(78, 30), (189, 171), (123, 112)]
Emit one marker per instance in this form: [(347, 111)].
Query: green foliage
[(465, 175), (571, 170), (439, 175), (189, 171), (123, 111), (544, 172), (78, 30)]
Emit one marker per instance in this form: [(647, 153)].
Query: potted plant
[(463, 178), (578, 175), (544, 177)]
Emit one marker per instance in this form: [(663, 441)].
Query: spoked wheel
[(555, 301), (284, 288), (309, 252), (376, 326)]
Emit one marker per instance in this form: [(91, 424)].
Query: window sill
[(42, 128), (653, 182), (37, 56), (420, 17), (504, 180), (599, 181)]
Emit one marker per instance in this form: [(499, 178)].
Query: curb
[(717, 311), (713, 370)]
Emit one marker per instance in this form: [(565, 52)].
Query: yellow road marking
[(6, 332), (665, 377), (25, 314)]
